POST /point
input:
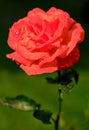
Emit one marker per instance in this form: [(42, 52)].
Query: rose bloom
[(44, 42)]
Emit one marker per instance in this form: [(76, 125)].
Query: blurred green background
[(14, 81)]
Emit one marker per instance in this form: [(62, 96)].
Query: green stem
[(56, 122)]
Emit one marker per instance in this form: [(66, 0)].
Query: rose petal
[(15, 33), (19, 59), (24, 52), (35, 69), (75, 35), (57, 64), (37, 14), (70, 60), (53, 54)]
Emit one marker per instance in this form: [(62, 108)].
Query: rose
[(44, 42)]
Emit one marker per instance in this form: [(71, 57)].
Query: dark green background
[(14, 81)]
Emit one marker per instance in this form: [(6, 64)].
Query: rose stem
[(59, 111)]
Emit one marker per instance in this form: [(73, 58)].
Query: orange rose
[(44, 42)]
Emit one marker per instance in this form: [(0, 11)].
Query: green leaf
[(69, 75), (20, 102), (43, 115), (66, 78), (69, 78)]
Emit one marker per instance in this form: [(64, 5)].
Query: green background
[(14, 81)]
